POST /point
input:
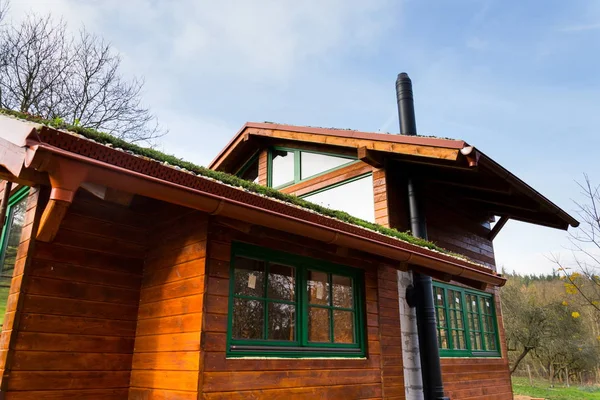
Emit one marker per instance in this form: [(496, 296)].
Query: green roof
[(110, 140)]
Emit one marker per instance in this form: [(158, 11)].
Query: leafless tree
[(45, 71), (583, 278)]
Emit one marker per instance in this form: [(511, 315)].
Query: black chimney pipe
[(422, 293)]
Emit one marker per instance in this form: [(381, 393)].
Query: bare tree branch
[(47, 72)]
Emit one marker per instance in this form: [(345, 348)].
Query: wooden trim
[(330, 178), (367, 156), (496, 229), (389, 147), (19, 284)]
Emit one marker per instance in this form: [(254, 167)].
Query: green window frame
[(466, 322), (247, 165), (298, 165), (17, 198), (341, 335)]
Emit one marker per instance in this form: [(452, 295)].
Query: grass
[(542, 389), (228, 179)]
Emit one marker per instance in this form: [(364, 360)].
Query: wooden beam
[(422, 151), (368, 156), (51, 219), (496, 229)]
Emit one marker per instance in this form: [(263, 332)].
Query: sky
[(517, 79)]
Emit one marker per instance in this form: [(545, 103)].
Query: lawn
[(542, 389)]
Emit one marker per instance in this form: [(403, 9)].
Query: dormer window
[(249, 171), (290, 166)]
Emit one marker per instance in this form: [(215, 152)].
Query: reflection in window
[(354, 197), (15, 219), (282, 167), (257, 300), (314, 163), (285, 304)]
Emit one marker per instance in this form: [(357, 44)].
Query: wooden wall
[(462, 231), (328, 179), (379, 375), (77, 301), (465, 232), (166, 360)]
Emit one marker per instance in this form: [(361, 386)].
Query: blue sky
[(517, 79)]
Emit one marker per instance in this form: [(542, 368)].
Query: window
[(290, 166), (466, 322), (9, 243), (354, 196), (249, 171), (286, 305)]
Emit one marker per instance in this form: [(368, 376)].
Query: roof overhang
[(466, 173), (71, 161)]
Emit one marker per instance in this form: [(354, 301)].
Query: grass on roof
[(228, 179)]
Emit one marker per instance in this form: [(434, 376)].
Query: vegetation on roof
[(225, 178)]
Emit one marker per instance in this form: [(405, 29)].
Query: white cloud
[(581, 28)]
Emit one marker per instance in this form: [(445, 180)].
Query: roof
[(151, 173), (474, 177)]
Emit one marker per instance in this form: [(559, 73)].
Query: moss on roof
[(225, 178)]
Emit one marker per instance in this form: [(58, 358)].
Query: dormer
[(364, 174)]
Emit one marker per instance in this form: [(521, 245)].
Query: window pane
[(343, 326), (318, 324), (282, 168), (342, 291), (443, 338), (251, 172), (458, 338), (16, 219), (248, 319), (282, 321), (490, 341), (249, 277), (313, 164), (282, 282), (355, 198), (318, 288)]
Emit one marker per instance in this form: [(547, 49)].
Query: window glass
[(248, 319), (318, 325), (292, 305), (318, 288), (354, 197), (282, 321), (282, 167), (314, 164), (15, 219), (250, 172)]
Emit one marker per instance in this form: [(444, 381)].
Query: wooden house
[(131, 275)]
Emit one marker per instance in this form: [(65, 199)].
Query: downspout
[(421, 295)]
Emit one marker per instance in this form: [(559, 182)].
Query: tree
[(583, 279), (527, 318), (47, 72)]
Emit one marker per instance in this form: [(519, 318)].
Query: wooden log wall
[(465, 232), (76, 301), (376, 377), (167, 360)]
